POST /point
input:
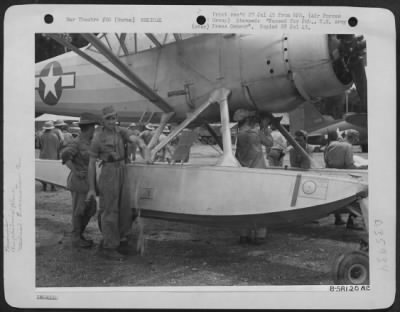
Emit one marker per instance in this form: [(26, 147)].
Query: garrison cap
[(108, 111)]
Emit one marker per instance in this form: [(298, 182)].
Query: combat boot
[(90, 241), (351, 226), (80, 243), (111, 254), (125, 249)]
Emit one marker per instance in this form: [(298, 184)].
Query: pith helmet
[(48, 125), (59, 123)]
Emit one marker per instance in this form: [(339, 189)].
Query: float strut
[(227, 159)]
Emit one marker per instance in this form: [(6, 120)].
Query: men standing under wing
[(76, 157), (339, 155), (250, 154), (49, 145), (108, 145)]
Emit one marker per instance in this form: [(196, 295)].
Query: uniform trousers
[(115, 212), (80, 214)]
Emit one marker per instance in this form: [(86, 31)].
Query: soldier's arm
[(348, 159), (92, 178), (292, 157), (94, 153), (266, 138)]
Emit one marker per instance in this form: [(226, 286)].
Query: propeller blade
[(359, 76), (352, 51)]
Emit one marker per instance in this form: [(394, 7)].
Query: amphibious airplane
[(191, 79)]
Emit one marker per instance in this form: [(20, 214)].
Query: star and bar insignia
[(51, 81)]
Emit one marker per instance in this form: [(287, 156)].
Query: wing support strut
[(149, 93), (90, 59), (154, 40), (121, 40), (218, 96)]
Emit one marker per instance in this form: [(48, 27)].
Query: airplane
[(307, 117), (192, 79)]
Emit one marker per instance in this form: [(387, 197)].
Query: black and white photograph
[(229, 155)]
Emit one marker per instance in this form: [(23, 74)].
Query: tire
[(351, 269)]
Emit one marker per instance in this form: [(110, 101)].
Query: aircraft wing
[(54, 172), (51, 171), (358, 119), (109, 51)]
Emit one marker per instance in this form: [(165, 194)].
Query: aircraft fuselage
[(265, 72)]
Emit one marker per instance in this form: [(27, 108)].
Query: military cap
[(108, 111), (88, 119)]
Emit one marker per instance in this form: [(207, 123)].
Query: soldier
[(132, 148), (297, 159), (339, 155), (76, 157), (250, 154), (66, 135), (108, 145), (49, 145), (278, 149)]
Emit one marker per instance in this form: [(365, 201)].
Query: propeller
[(353, 55)]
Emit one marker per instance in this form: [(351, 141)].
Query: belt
[(115, 162)]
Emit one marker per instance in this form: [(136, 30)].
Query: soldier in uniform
[(339, 155), (278, 149), (49, 145), (297, 159), (132, 146), (109, 145), (249, 153), (76, 157)]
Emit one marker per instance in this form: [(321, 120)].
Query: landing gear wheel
[(351, 269)]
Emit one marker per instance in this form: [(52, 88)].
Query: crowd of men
[(102, 141), (256, 135)]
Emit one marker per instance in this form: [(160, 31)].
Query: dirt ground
[(178, 254)]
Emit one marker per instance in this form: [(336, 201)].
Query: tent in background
[(40, 120)]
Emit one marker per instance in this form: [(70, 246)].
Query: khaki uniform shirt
[(108, 143), (339, 155), (249, 150), (78, 152), (49, 145)]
